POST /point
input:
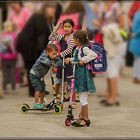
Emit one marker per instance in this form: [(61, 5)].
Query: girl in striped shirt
[(66, 46)]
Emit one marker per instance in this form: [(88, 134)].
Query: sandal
[(82, 123), (77, 98), (76, 121)]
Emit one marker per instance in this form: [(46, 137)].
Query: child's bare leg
[(37, 95), (84, 105), (42, 96), (57, 88), (85, 112)]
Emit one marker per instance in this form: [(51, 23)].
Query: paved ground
[(122, 122)]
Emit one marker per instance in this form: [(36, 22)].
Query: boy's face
[(52, 54), (67, 28)]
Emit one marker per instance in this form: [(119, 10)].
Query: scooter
[(53, 105), (70, 116)]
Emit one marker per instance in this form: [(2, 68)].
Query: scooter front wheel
[(67, 122), (57, 109)]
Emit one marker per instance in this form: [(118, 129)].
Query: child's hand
[(67, 60), (81, 63), (54, 69), (59, 26)]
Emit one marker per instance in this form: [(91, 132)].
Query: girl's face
[(68, 28), (76, 42)]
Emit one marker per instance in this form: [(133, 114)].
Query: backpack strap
[(82, 52)]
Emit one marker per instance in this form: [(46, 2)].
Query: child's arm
[(54, 36), (89, 55), (58, 62), (71, 45)]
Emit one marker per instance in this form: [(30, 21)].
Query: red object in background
[(74, 17), (134, 8), (98, 38)]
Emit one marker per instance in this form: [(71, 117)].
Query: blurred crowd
[(26, 26)]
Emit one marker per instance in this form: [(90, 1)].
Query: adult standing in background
[(135, 46), (112, 40), (92, 18), (18, 14), (33, 39), (131, 13)]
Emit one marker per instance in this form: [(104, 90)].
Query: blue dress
[(83, 78)]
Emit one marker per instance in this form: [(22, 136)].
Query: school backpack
[(99, 64)]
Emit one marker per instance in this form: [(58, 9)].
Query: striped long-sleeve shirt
[(54, 37)]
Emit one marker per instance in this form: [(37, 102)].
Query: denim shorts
[(37, 83)]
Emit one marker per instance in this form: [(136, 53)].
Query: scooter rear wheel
[(24, 108)]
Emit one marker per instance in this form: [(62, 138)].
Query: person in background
[(92, 18), (131, 13), (33, 39), (112, 40), (8, 56), (135, 46), (18, 14)]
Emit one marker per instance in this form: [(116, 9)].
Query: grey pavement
[(106, 122)]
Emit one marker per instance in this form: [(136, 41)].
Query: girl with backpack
[(83, 78)]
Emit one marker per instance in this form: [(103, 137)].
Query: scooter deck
[(43, 109)]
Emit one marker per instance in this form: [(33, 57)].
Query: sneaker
[(38, 106)]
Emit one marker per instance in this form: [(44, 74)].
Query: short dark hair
[(70, 21), (51, 47), (82, 36)]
